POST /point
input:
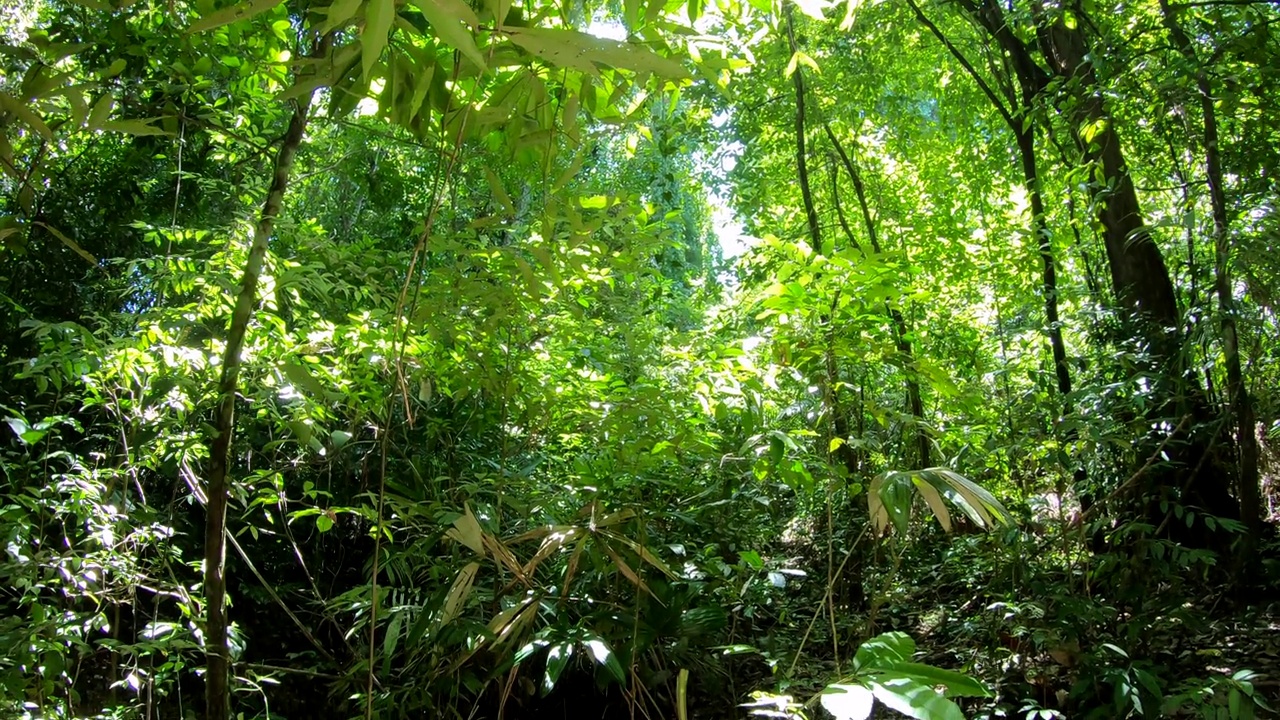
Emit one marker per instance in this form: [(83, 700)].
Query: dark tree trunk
[(1044, 242), (802, 165), (1140, 280), (1247, 490), (1139, 276), (1142, 287)]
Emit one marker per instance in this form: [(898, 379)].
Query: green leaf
[(884, 651), (889, 501), (956, 684), (300, 377), (914, 699), (499, 192), (934, 500), (233, 13), (25, 433), (813, 8), (139, 128), (101, 112), (466, 530), (800, 58), (75, 246), (390, 640), (20, 110), (751, 558), (339, 13), (605, 657), (451, 20), (890, 498), (573, 49), (558, 657), (848, 702), (458, 593), (694, 9), (116, 67), (303, 430), (379, 15), (324, 72), (324, 523)]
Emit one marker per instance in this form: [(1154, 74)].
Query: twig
[(294, 671), (818, 612)]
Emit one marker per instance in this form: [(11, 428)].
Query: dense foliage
[(468, 358)]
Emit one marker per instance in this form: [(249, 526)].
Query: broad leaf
[(33, 120), (379, 15), (452, 21), (914, 699), (884, 651), (956, 684), (233, 13), (848, 702)]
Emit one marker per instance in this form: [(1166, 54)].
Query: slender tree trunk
[(1090, 278), (802, 165), (1030, 80), (1040, 226), (217, 677), (1238, 394), (914, 400)]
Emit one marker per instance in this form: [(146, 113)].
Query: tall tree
[(1238, 393)]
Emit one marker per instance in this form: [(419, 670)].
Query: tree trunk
[(1030, 79), (1040, 226), (1238, 395), (1140, 280), (1139, 276), (802, 165), (217, 677), (914, 401), (1144, 291)]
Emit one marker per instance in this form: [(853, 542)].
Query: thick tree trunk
[(217, 677), (1247, 479), (1144, 290), (1138, 272), (1140, 280)]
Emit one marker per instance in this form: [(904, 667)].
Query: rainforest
[(531, 359)]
